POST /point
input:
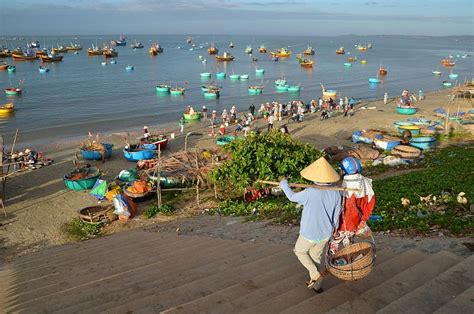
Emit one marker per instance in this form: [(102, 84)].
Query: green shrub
[(79, 230), (154, 210)]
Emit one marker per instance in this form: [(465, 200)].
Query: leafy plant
[(79, 230), (267, 156), (154, 210)]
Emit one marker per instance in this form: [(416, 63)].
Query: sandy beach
[(38, 203)]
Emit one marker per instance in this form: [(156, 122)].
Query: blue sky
[(256, 17)]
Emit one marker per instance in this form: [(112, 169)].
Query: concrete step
[(438, 291), (461, 304), (224, 301), (349, 290), (116, 292), (106, 285), (115, 263), (399, 285), (183, 293), (300, 293)]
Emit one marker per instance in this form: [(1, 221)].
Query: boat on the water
[(255, 90), (448, 62), (352, 59), (27, 55), (177, 91), (436, 72), (163, 88), (227, 56), (453, 75), (129, 68), (43, 69), (42, 52), (447, 84), (59, 49), (259, 71), (95, 51), (11, 69), (221, 75), (4, 67), (196, 116), (7, 109), (212, 50), (280, 82), (5, 53), (309, 51), (231, 45), (74, 47), (212, 92), (382, 71), (281, 53), (13, 91), (262, 49), (374, 80), (340, 51), (137, 45), (110, 53), (305, 63), (294, 89), (155, 49), (234, 76), (275, 58), (120, 42), (103, 63), (248, 50), (205, 75), (34, 44), (347, 64), (52, 57), (361, 47), (244, 76)]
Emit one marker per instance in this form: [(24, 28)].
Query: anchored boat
[(248, 50), (309, 51), (110, 53), (212, 50), (282, 53), (28, 55), (7, 109), (163, 88), (52, 57), (255, 90), (262, 49), (225, 57), (340, 51)]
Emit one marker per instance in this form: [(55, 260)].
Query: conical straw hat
[(320, 171)]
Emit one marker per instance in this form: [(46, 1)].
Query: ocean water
[(79, 95)]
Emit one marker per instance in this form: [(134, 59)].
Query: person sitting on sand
[(222, 130), (146, 134), (320, 216)]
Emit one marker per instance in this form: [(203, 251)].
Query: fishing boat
[(138, 152), (305, 63), (282, 53), (365, 136), (212, 50), (406, 110), (177, 91), (74, 47), (155, 49), (5, 53), (262, 49), (11, 69), (42, 52), (225, 57), (212, 92), (160, 141), (137, 45), (189, 40), (374, 80), (221, 75), (59, 49), (129, 68), (13, 91), (347, 64), (234, 76), (113, 61), (255, 90), (110, 53), (4, 67), (196, 116), (34, 44), (280, 82), (447, 84), (436, 72), (352, 59), (363, 62), (248, 50), (82, 178), (309, 51), (95, 51), (282, 88), (43, 69), (275, 58), (205, 75), (244, 76), (231, 45), (121, 42), (294, 89), (163, 88), (95, 152), (340, 51), (448, 62), (259, 71), (7, 109), (103, 63), (28, 55), (453, 75), (52, 57), (361, 47), (414, 129)]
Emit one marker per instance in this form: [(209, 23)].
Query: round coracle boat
[(138, 152), (97, 151), (194, 117), (81, 178), (406, 110)]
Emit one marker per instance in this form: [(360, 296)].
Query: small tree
[(267, 156)]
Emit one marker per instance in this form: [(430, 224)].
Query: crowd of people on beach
[(270, 112)]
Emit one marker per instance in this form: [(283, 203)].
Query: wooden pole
[(299, 185), (158, 178)]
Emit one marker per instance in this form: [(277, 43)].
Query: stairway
[(140, 271)]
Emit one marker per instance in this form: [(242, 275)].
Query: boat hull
[(294, 89), (162, 144), (406, 110), (82, 184), (162, 89), (147, 153), (12, 92), (423, 142), (97, 155), (195, 117), (24, 58)]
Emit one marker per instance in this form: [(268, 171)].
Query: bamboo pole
[(158, 178), (299, 185)]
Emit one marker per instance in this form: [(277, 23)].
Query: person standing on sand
[(320, 216), (385, 98), (204, 113), (421, 95), (271, 121), (252, 109), (181, 124)]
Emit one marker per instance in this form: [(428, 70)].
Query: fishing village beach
[(206, 165)]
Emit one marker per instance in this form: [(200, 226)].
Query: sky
[(246, 17)]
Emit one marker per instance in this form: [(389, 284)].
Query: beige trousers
[(310, 253)]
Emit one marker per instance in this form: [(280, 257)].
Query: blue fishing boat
[(43, 69), (81, 179), (129, 68), (205, 75), (374, 80), (259, 71), (138, 152), (11, 68), (406, 110), (163, 88), (234, 76), (347, 64), (282, 88), (447, 84), (453, 75), (244, 76), (212, 93), (423, 142), (280, 82), (221, 75), (113, 61), (255, 90), (96, 154)]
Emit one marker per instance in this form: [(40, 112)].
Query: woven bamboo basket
[(405, 151), (97, 214), (356, 269)]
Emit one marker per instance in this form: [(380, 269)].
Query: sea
[(79, 95)]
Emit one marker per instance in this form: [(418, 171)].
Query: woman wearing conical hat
[(320, 216)]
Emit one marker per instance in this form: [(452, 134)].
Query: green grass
[(78, 230), (154, 210)]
